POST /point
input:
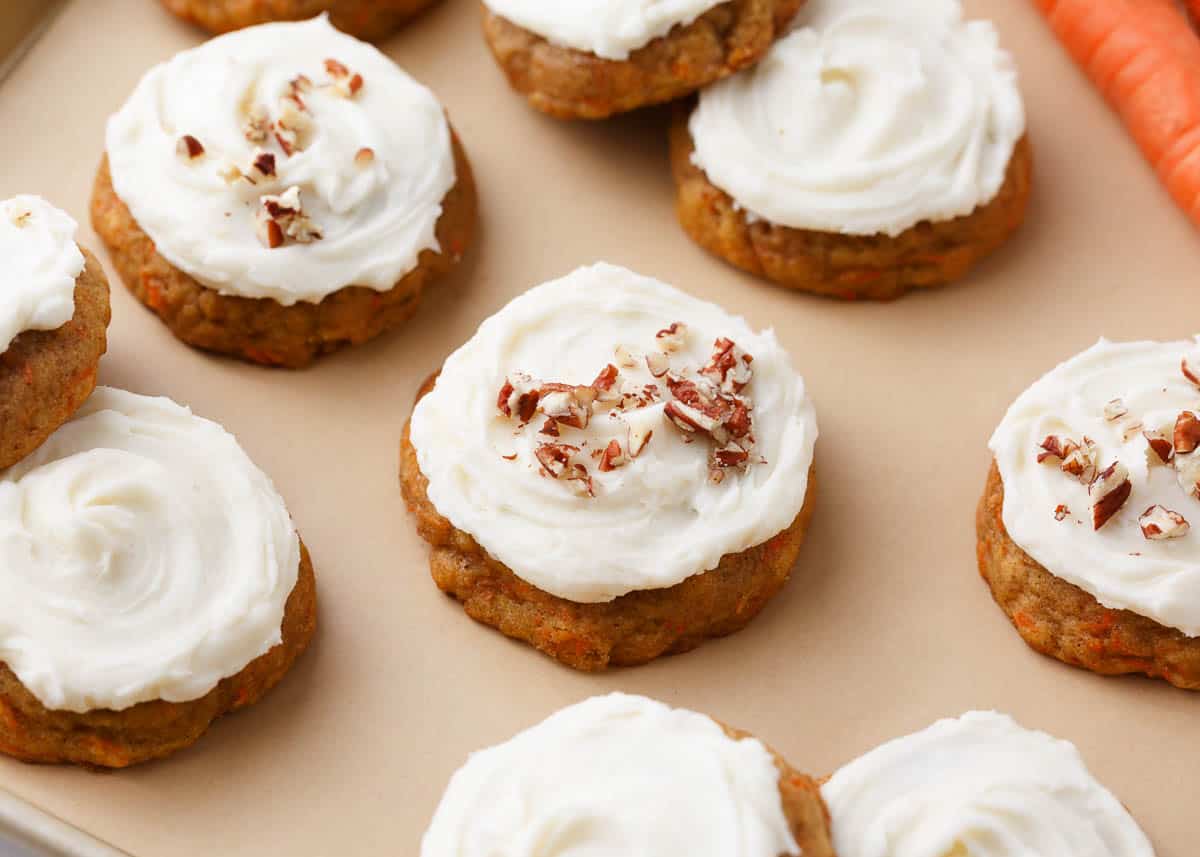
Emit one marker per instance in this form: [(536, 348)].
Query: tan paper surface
[(885, 625)]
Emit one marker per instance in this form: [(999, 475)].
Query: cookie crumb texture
[(46, 375), (571, 84), (630, 630), (852, 267), (365, 19), (150, 730), (262, 330), (1063, 621)]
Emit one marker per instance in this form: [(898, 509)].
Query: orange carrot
[(1145, 58)]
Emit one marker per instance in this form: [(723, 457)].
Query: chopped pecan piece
[(1061, 512), (1188, 473), (1161, 449), (1190, 366), (1114, 410), (189, 148), (286, 212), (345, 83), (673, 337), (1109, 492), (729, 366), (1187, 433), (518, 397), (257, 127), (612, 457), (1159, 523)]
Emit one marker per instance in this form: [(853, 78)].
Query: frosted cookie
[(612, 470), (366, 19), (978, 786), (624, 774), (54, 317), (590, 59), (150, 581), (282, 191), (877, 148), (1085, 524)]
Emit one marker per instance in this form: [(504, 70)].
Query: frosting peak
[(870, 117), (612, 775), (210, 137), (42, 262), (142, 556)]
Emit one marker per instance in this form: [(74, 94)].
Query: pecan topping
[(1075, 459), (569, 405), (1161, 449), (729, 366), (1109, 492), (282, 217), (519, 398), (1191, 369), (557, 461), (1114, 410), (1061, 512), (612, 457), (1188, 473), (673, 337), (189, 148), (1187, 433), (658, 364), (625, 357), (263, 167), (257, 126), (345, 83), (1159, 522)]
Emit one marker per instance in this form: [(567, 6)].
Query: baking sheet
[(885, 625)]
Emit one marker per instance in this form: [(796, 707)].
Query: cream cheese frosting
[(612, 775), (142, 556), (870, 117), (371, 157), (977, 786), (42, 262), (1118, 395), (610, 29), (658, 518)]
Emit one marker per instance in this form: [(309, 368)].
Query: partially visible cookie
[(584, 60), (366, 19), (54, 316), (977, 785), (153, 581), (1085, 525), (612, 470), (623, 774), (308, 213), (878, 148)]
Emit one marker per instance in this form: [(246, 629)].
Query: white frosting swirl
[(871, 117), (610, 29), (653, 522), (41, 261), (1121, 568), (376, 217), (612, 775), (978, 786), (142, 556)]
